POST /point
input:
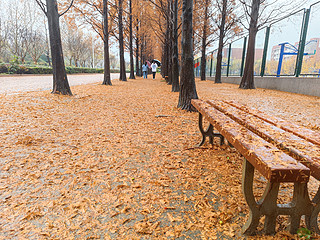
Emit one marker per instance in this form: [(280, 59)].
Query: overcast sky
[(287, 30)]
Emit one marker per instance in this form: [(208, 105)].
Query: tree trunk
[(187, 83), (170, 26), (137, 58), (166, 49), (60, 80), (175, 53), (221, 42), (142, 59), (131, 42), (137, 52), (23, 59), (165, 56), (204, 43), (163, 59), (47, 52), (48, 58), (247, 81), (106, 75), (123, 76)]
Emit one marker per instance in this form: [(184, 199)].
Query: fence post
[(243, 56), (211, 65), (229, 58), (280, 59), (196, 67), (302, 43), (265, 51), (207, 65)]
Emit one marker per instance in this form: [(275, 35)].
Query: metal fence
[(287, 47)]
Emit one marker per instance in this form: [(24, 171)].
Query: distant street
[(25, 83)]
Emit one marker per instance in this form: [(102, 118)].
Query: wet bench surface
[(281, 151)]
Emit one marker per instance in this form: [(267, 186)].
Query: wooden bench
[(279, 150)]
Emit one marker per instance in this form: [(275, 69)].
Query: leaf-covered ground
[(120, 162)]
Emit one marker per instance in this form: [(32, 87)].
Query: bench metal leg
[(267, 205), (209, 132), (247, 187), (230, 145), (257, 209), (312, 220), (300, 205)]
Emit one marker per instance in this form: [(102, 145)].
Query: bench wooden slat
[(272, 163), (301, 149), (300, 131)]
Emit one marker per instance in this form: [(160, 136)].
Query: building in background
[(311, 50), (236, 53)]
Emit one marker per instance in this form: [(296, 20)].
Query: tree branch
[(67, 9), (42, 6)]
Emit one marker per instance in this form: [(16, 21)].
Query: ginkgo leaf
[(51, 189)]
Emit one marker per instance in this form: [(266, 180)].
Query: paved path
[(120, 163), (24, 83)]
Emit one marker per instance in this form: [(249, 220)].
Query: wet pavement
[(26, 83)]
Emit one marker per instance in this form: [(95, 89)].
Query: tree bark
[(221, 42), (165, 55), (106, 75), (163, 59), (137, 59), (247, 81), (142, 58), (131, 42), (169, 42), (60, 80), (187, 82), (204, 43), (138, 73), (175, 53), (123, 76)]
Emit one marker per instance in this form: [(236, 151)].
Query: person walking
[(154, 67), (145, 70)]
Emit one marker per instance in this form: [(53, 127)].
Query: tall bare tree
[(228, 27), (187, 82), (131, 42), (60, 80), (247, 81), (37, 46), (19, 31), (260, 13), (123, 76), (106, 76), (175, 50), (97, 15), (204, 41), (137, 38), (4, 30)]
